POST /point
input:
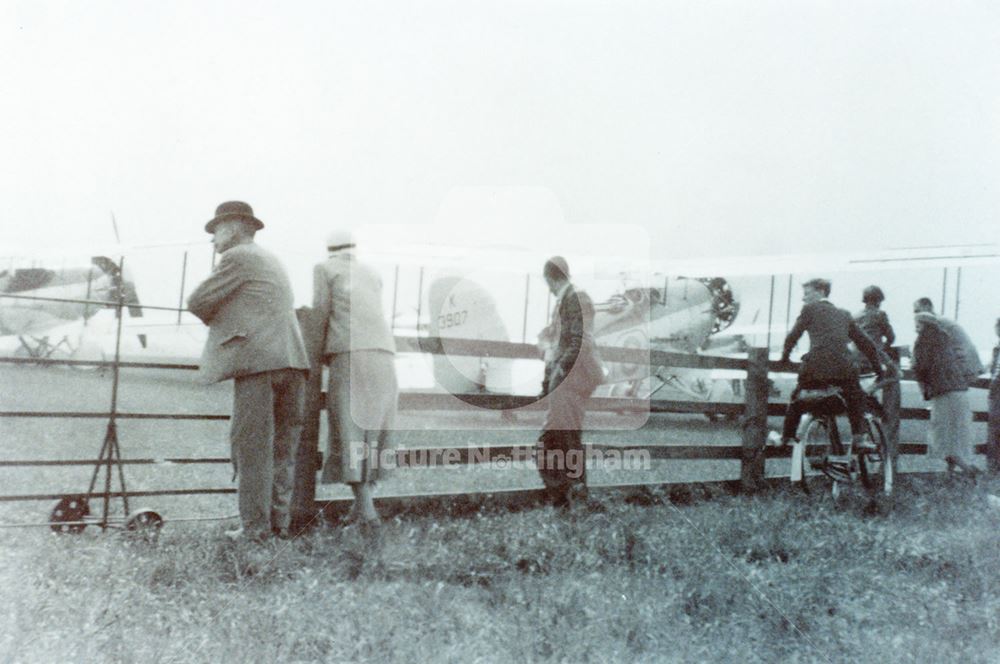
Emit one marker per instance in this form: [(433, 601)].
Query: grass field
[(776, 577)]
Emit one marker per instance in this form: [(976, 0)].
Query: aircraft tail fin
[(463, 309)]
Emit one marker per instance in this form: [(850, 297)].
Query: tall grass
[(776, 577)]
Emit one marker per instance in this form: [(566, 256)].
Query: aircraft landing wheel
[(68, 515), (144, 524)]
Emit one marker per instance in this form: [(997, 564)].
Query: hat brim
[(253, 222)]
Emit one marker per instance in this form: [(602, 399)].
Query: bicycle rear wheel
[(819, 443), (877, 471)]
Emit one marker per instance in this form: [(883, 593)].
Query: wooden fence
[(752, 452)]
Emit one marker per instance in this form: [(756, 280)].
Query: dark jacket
[(965, 351), (995, 374), (830, 330), (575, 354), (935, 363), (875, 323)]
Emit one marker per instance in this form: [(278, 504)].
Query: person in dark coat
[(875, 323), (993, 435), (573, 370), (828, 362), (942, 380), (965, 350)]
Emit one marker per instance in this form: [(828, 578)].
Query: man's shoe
[(774, 439), (281, 533)]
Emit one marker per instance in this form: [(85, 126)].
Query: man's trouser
[(854, 397), (560, 458), (267, 418), (993, 435)]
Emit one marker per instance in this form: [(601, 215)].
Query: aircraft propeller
[(124, 287)]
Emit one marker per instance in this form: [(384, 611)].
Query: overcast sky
[(719, 127)]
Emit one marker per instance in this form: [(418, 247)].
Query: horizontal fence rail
[(42, 361), (120, 416), (417, 401), (426, 457), (97, 303), (116, 494), (502, 350), (431, 457)]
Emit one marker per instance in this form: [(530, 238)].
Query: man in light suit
[(572, 372), (254, 339)]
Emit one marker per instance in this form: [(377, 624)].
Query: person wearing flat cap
[(359, 350), (254, 339)]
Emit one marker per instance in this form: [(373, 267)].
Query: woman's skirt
[(951, 426), (361, 400)]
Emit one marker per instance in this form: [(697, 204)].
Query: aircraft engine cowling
[(725, 306)]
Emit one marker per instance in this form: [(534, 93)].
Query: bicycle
[(820, 444)]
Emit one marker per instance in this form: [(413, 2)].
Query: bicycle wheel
[(877, 472), (819, 444)]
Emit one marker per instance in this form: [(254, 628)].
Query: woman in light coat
[(359, 350)]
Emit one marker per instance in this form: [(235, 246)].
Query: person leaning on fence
[(965, 351), (572, 372), (254, 338), (359, 349), (941, 376), (874, 322), (993, 435), (828, 362)]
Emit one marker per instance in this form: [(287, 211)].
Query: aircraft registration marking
[(453, 319)]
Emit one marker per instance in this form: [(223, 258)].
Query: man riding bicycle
[(828, 362)]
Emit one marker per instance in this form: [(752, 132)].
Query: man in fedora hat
[(254, 339)]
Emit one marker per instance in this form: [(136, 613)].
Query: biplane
[(47, 309)]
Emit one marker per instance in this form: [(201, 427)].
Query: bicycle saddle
[(818, 394)]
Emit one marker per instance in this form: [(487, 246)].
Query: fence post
[(754, 421), (307, 453), (891, 404)]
